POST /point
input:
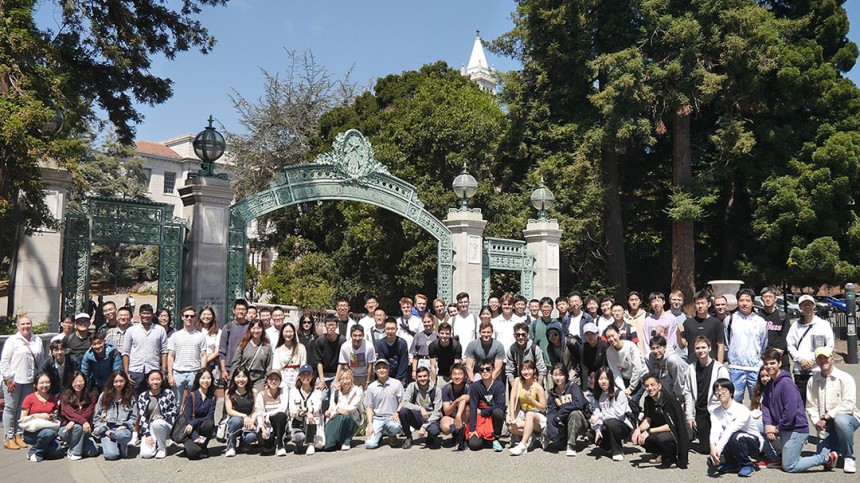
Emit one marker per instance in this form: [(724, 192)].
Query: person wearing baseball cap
[(804, 337), (305, 412), (381, 402), (831, 404), (272, 404), (78, 341)]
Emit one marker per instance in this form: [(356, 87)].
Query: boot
[(19, 440), (11, 444)]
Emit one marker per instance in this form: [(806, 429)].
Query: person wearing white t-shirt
[(356, 355), (407, 324), (465, 324), (273, 331), (503, 325), (371, 303)]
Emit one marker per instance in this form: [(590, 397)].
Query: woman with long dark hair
[(115, 416), (272, 404), (199, 413), (305, 410), (241, 412), (40, 409), (527, 407), (254, 354), (76, 418), (611, 420), (157, 409), (289, 356), (165, 320)]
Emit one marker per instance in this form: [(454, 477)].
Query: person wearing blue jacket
[(99, 361), (395, 350), (784, 418), (486, 408), (199, 410), (566, 416)]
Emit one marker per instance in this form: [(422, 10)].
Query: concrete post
[(542, 237), (206, 204), (40, 256), (467, 239)]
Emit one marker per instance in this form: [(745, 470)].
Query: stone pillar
[(206, 203), (467, 239), (40, 256), (542, 237)]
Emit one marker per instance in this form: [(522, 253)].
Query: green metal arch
[(348, 173)]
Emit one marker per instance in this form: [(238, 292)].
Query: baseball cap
[(273, 372), (382, 361), (806, 298), (824, 351), (82, 317), (590, 327), (306, 368)]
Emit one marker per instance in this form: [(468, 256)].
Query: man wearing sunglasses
[(486, 408), (186, 354), (523, 349)]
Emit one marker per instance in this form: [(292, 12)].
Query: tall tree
[(99, 58)]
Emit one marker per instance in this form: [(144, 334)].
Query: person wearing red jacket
[(76, 419)]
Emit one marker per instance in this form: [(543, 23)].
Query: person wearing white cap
[(831, 404), (804, 336), (78, 341)]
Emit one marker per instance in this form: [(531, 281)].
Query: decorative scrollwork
[(352, 156)]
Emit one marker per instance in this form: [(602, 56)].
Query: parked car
[(793, 309), (837, 302)]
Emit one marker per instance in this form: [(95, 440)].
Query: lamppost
[(542, 199), (209, 145), (51, 127), (465, 186)]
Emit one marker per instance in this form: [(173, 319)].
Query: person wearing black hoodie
[(664, 429), (486, 408), (566, 413), (592, 358)]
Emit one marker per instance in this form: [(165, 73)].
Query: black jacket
[(671, 409), (59, 382)]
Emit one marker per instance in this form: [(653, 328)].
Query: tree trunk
[(683, 247), (616, 265)]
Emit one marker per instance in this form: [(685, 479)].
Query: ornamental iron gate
[(114, 220), (350, 172), (505, 254)]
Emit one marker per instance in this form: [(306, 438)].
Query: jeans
[(410, 419), (236, 435), (138, 382), (382, 426), (44, 443), (12, 408), (80, 444), (184, 380), (159, 430), (326, 394), (838, 435), (739, 450), (742, 378), (792, 444), (116, 447)]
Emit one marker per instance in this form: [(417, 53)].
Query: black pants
[(279, 429), (739, 448), (475, 441), (614, 434), (195, 451), (663, 444), (703, 431), (800, 381)]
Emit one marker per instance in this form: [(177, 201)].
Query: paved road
[(384, 464)]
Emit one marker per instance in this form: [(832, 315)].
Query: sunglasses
[(521, 335), (486, 369), (187, 316)]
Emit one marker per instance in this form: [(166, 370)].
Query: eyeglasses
[(721, 390), (187, 316), (486, 369), (521, 334)]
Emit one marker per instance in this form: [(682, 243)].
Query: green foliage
[(301, 276)]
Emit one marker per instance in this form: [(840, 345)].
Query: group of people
[(560, 373)]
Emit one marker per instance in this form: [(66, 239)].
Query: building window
[(169, 183), (147, 173)]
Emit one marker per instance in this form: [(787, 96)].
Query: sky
[(374, 38)]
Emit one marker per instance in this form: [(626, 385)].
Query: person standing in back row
[(804, 337)]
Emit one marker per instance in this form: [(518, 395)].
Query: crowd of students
[(598, 372)]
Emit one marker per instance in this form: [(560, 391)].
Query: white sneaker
[(160, 454), (134, 439), (345, 447), (850, 465), (518, 449), (618, 457), (72, 457), (231, 452), (281, 452), (310, 450), (571, 451), (33, 458)]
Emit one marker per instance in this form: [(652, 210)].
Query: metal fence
[(839, 322)]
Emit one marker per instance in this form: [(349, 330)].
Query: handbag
[(37, 424), (221, 432), (178, 434)]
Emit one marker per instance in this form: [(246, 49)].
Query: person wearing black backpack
[(421, 409)]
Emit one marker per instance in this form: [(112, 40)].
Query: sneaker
[(767, 463), (667, 464), (407, 443), (497, 446), (831, 462), (431, 442), (281, 451), (656, 460), (231, 452), (850, 465), (33, 458), (134, 439), (392, 441), (746, 471), (618, 457), (461, 441), (160, 454), (345, 447), (311, 450), (571, 450), (515, 450), (73, 457), (725, 468)]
